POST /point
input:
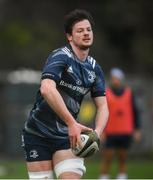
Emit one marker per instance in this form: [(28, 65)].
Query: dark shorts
[(38, 148), (118, 141)]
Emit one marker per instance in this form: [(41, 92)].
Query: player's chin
[(85, 46)]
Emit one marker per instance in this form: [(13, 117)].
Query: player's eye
[(80, 30), (89, 29)]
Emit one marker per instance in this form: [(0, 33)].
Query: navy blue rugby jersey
[(74, 79)]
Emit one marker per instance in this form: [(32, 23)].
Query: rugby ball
[(90, 145)]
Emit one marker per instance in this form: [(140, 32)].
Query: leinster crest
[(91, 76)]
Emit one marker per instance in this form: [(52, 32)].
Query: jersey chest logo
[(91, 76)]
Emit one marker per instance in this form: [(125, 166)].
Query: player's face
[(82, 35), (115, 82)]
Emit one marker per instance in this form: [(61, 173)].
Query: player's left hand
[(137, 136)]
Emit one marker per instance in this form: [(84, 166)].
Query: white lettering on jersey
[(81, 90)]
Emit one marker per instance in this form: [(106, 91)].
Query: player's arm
[(98, 95), (56, 102), (101, 114), (137, 132)]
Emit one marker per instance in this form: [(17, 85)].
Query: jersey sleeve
[(55, 65), (98, 88)]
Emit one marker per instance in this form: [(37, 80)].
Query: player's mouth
[(86, 39)]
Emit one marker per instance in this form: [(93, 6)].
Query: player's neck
[(80, 53)]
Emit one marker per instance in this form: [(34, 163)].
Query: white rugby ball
[(90, 145)]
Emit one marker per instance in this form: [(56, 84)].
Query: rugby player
[(123, 124), (52, 128)]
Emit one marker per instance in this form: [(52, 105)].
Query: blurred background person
[(123, 124)]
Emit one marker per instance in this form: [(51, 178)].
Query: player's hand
[(74, 131), (137, 136)]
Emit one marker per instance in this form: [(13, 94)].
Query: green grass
[(136, 169)]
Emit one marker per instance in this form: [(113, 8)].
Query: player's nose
[(86, 32)]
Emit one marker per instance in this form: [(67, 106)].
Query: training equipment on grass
[(90, 145)]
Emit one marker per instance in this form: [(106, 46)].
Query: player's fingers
[(84, 128), (79, 141), (70, 141), (73, 142)]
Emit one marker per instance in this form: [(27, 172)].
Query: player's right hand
[(74, 131)]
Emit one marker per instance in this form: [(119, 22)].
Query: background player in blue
[(52, 127)]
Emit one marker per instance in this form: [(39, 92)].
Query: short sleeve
[(98, 88), (55, 65)]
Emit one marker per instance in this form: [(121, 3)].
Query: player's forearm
[(101, 118), (55, 101)]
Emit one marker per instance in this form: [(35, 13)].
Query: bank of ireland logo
[(78, 82), (33, 154)]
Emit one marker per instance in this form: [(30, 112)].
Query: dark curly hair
[(75, 16)]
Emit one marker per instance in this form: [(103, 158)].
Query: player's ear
[(69, 37)]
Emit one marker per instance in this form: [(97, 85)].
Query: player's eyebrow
[(80, 28)]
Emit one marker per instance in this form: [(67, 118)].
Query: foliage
[(29, 30)]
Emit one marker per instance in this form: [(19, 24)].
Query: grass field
[(136, 169)]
